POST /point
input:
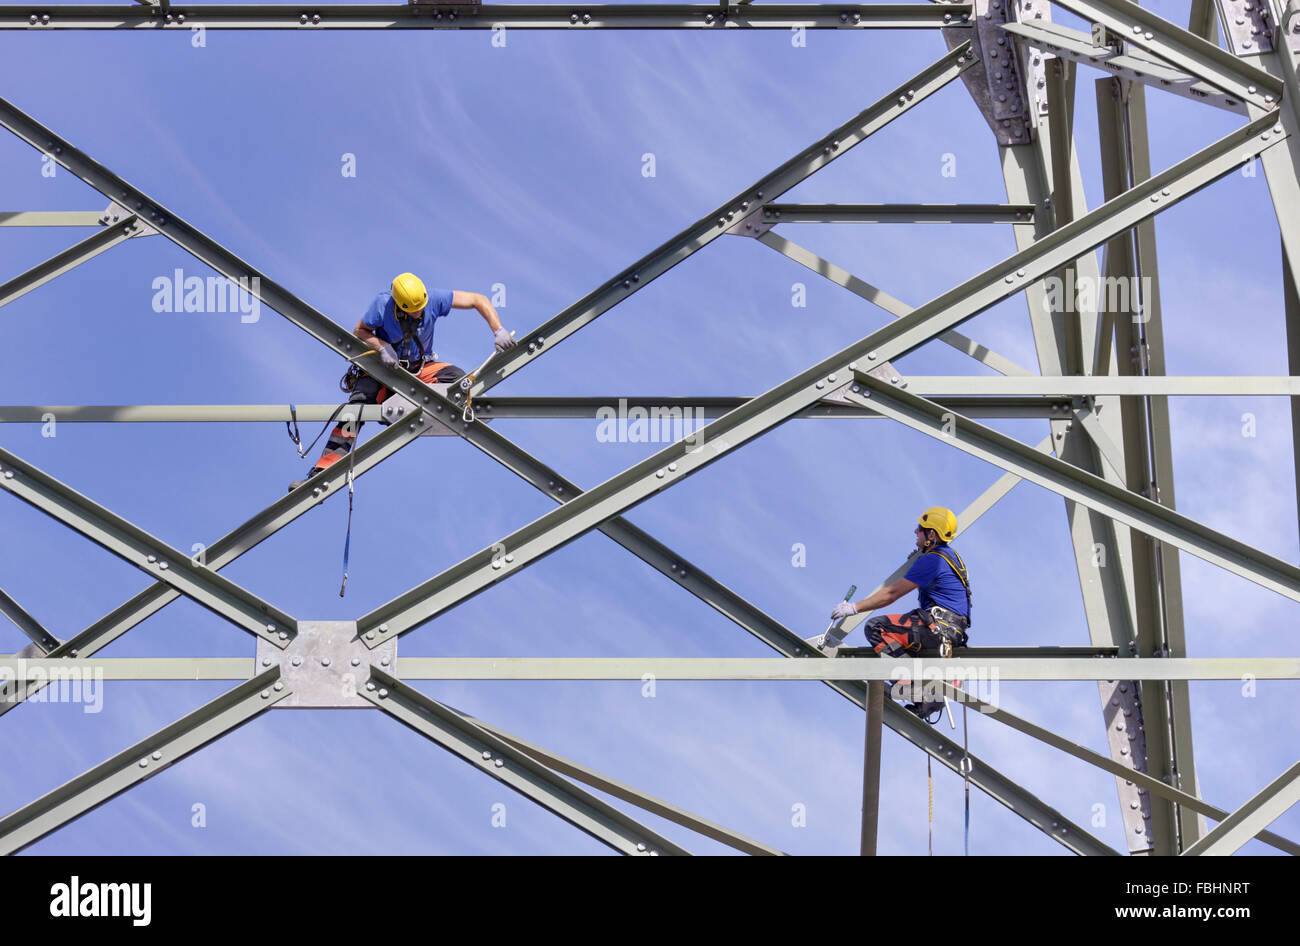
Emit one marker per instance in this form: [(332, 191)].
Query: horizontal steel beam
[(1077, 46), (225, 550), (1141, 779), (820, 668), (125, 668), (1101, 385), (667, 409), (897, 213), (147, 553), (454, 16), (143, 760), (674, 463), (51, 218), (73, 256), (495, 757), (1110, 499)]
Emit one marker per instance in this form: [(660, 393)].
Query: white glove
[(387, 355), (845, 609), (503, 339)]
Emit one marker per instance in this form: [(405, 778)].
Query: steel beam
[(508, 765), (143, 760), (627, 793), (31, 627), (224, 551), (51, 218), (871, 767), (767, 411), (1202, 22), (1083, 487), (846, 669), (124, 668), (1120, 770), (1244, 823), (73, 256), (775, 213), (398, 16)]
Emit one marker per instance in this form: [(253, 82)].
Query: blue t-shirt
[(937, 583), (381, 319)]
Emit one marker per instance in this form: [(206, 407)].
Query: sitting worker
[(943, 594), (398, 327)]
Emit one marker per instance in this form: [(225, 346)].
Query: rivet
[(144, 763), (297, 661), (163, 565), (266, 694), (820, 385), (279, 685), (383, 693), (499, 762), (510, 558), (370, 685), (830, 377), (659, 474), (324, 661), (266, 661), (355, 661), (672, 467), (487, 754), (383, 662), (157, 755), (152, 558)]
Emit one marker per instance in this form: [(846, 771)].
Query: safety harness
[(950, 625)]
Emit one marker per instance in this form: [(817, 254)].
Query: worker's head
[(935, 525), (409, 295)]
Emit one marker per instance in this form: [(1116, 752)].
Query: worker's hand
[(503, 339), (387, 355), (844, 609)]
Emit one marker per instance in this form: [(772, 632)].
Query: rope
[(929, 777), (347, 540), (965, 771)]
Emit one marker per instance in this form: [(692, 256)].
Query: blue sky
[(522, 165)]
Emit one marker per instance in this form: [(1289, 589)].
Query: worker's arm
[(878, 599), (476, 300), (367, 335)]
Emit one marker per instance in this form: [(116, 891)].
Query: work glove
[(503, 339), (844, 609), (387, 355)]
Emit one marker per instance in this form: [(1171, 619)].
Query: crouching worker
[(943, 596), (398, 327)]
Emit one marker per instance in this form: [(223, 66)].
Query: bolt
[(266, 695), (383, 629), (297, 661), (370, 685), (157, 755), (152, 558), (279, 685), (383, 662), (163, 565), (510, 558), (144, 763), (672, 467), (324, 661), (370, 635), (383, 693), (659, 474), (499, 763)]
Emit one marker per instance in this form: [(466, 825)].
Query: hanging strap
[(929, 778), (294, 433), (959, 569), (965, 771), (347, 539)]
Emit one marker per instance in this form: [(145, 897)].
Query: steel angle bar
[(461, 16), (73, 256), (137, 547), (143, 760), (124, 668), (656, 806), (894, 307), (510, 766), (1181, 49), (51, 218), (224, 551), (1101, 385), (1244, 823), (897, 213), (820, 153), (1110, 499), (180, 413), (769, 410), (1154, 785), (856, 669), (31, 627)]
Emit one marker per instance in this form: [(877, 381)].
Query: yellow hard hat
[(409, 293), (941, 520)]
